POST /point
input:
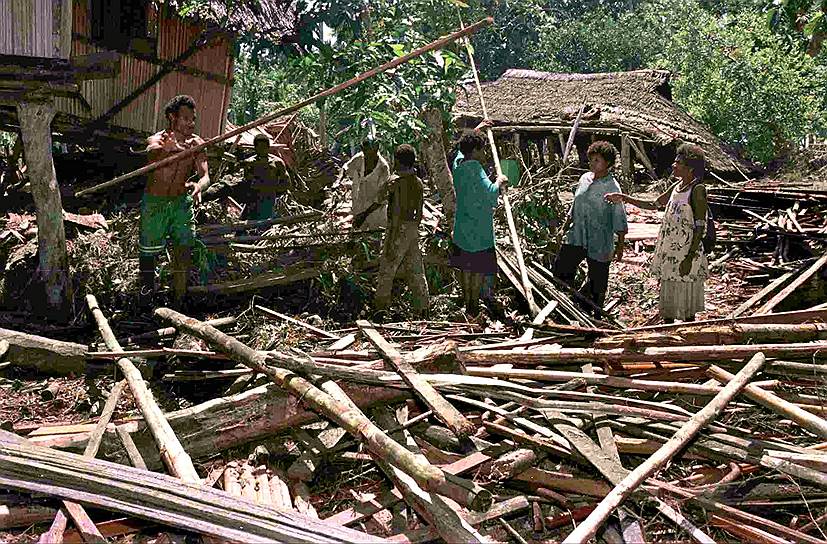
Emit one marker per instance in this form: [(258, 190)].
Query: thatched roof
[(638, 102), (273, 19)]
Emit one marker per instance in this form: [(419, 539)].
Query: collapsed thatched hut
[(632, 109)]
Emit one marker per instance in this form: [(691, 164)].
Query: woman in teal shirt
[(598, 228), (473, 234)]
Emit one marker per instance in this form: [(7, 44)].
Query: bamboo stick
[(437, 44), (811, 422), (509, 216), (172, 453), (355, 422), (706, 415)]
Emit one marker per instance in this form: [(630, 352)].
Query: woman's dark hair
[(405, 156), (470, 141), (605, 150), (693, 156), (175, 104)]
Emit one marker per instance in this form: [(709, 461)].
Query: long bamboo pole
[(509, 216), (437, 44), (811, 422), (687, 432)]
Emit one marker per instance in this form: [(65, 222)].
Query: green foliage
[(753, 87), (750, 88), (364, 36)]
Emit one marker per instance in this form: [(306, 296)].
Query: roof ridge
[(522, 73)]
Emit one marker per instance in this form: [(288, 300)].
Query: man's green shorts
[(165, 217)]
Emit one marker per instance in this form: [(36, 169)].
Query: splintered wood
[(438, 431)]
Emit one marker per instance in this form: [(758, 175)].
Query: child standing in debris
[(597, 227), (473, 235), (679, 260), (266, 179), (368, 170), (167, 205), (403, 196)]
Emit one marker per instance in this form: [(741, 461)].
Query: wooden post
[(687, 432), (625, 156), (35, 126)]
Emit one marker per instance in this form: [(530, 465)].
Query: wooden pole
[(175, 458), (53, 265), (687, 432), (811, 422), (443, 410), (512, 229), (437, 44), (356, 423)]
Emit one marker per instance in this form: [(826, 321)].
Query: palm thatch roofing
[(638, 102), (276, 20)]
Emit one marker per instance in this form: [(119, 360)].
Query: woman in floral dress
[(679, 260)]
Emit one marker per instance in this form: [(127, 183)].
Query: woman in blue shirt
[(598, 228), (473, 234)]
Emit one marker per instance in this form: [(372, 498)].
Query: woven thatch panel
[(638, 101)]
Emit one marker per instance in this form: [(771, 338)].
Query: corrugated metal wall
[(146, 112), (28, 28), (174, 38)]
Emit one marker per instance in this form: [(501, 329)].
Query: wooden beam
[(157, 497), (805, 419), (163, 63), (355, 422), (795, 284), (442, 409), (201, 41)]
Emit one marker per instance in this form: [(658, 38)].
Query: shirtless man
[(167, 206)]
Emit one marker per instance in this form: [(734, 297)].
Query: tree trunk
[(53, 269), (44, 354), (433, 153)]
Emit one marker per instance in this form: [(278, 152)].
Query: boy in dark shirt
[(400, 249), (267, 180)]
